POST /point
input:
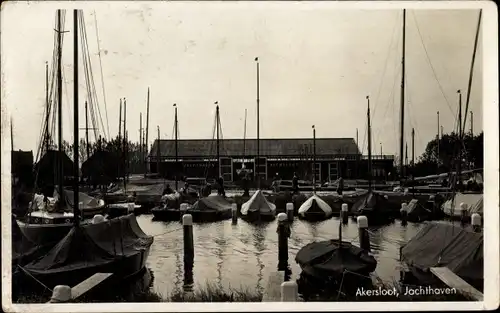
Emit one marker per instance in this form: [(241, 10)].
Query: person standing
[(340, 186), (295, 184)]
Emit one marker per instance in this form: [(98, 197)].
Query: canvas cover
[(474, 203), (444, 244), (315, 204), (326, 258), (212, 203), (371, 201), (93, 245), (89, 203), (258, 202)]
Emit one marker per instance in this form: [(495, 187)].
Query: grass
[(215, 293)]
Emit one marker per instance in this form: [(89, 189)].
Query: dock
[(83, 287), (453, 281)]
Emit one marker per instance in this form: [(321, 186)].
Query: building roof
[(268, 147)]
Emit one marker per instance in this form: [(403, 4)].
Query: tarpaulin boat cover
[(93, 245), (257, 202), (315, 204), (474, 203), (371, 201), (442, 244), (212, 203), (89, 203), (21, 245), (326, 258)]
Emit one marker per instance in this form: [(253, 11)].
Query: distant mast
[(47, 106), (402, 129), (76, 172), (369, 147), (176, 131), (244, 139), (314, 160), (146, 143), (257, 160), (60, 172), (217, 137)]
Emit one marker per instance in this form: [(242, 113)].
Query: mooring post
[(289, 211), (344, 213), (289, 291), (364, 237), (404, 213), (187, 222), (183, 209), (131, 207), (234, 213), (61, 294), (463, 213), (283, 235), (476, 222)]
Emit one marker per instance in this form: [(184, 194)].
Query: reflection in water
[(243, 254), (258, 242)]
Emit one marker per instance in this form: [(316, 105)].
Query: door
[(333, 171), (317, 172), (226, 169)]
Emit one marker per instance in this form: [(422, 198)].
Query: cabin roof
[(268, 147)]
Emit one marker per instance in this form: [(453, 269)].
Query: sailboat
[(258, 208), (213, 207), (118, 246), (50, 217), (314, 208)]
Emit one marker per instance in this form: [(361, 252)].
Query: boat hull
[(43, 234), (314, 216), (122, 267), (209, 216), (166, 215), (257, 216)]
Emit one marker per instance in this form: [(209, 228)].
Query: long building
[(335, 157)]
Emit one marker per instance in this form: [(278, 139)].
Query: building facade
[(334, 157)]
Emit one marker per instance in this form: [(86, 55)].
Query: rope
[(102, 75), (42, 284)]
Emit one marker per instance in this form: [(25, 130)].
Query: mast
[(146, 143), (438, 141), (472, 67), (120, 124), (314, 159), (357, 154), (258, 126), (401, 133), (244, 137), (125, 141), (158, 153), (176, 127), (87, 130), (11, 135), (60, 175), (76, 174), (460, 138), (369, 147), (413, 147), (140, 139), (217, 136), (47, 114), (471, 123)]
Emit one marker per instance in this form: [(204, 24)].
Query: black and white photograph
[(243, 155)]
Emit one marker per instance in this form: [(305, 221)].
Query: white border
[(491, 183)]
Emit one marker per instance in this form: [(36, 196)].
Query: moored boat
[(257, 208), (211, 208), (315, 209)]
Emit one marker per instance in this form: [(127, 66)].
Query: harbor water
[(242, 256)]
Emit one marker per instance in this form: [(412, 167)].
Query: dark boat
[(211, 208), (442, 244), (169, 210), (374, 207), (117, 246), (257, 208), (328, 266), (315, 209)]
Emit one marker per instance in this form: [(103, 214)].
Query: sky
[(317, 65)]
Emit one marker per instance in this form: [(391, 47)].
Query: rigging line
[(430, 63), (102, 75), (386, 63)]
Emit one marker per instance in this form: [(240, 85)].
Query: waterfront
[(243, 255)]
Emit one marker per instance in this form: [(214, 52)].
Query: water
[(243, 255)]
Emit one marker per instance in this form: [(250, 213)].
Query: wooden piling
[(463, 213), (187, 222), (283, 235), (476, 222), (404, 214), (234, 213), (289, 291), (344, 213), (364, 237), (289, 211)]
